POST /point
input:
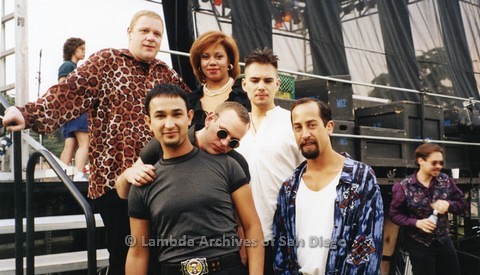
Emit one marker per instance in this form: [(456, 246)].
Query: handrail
[(90, 218), (18, 195), (413, 140), (352, 82), (422, 94), (4, 101)]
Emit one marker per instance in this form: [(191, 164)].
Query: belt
[(198, 266)]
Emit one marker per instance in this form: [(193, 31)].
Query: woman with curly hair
[(75, 132)]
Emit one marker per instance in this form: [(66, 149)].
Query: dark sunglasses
[(437, 162), (223, 134)]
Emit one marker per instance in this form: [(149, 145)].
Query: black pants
[(114, 212), (268, 262), (437, 259)]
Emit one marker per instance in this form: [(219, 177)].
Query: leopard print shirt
[(111, 86)]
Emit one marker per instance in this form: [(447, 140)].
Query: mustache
[(307, 142)]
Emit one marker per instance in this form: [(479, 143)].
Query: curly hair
[(70, 46)]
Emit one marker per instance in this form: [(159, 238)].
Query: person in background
[(331, 206), (215, 61), (193, 198), (414, 199), (111, 86), (269, 146), (75, 132)]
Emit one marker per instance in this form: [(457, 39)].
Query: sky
[(101, 23)]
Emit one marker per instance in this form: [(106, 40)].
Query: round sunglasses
[(223, 134)]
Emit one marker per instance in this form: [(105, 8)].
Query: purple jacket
[(411, 202)]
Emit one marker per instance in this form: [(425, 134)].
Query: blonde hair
[(141, 13), (239, 109)]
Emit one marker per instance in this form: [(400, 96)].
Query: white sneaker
[(80, 176)]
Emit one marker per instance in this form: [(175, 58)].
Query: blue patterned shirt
[(357, 237)]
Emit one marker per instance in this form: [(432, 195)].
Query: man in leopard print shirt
[(111, 87)]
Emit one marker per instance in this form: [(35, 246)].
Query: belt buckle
[(195, 266)]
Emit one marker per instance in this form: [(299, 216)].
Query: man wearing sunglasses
[(222, 133), (187, 215), (414, 199)]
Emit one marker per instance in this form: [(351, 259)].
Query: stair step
[(57, 262), (51, 223)]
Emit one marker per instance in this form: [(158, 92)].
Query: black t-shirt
[(189, 206), (199, 115)]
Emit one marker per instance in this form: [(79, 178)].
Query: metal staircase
[(14, 163)]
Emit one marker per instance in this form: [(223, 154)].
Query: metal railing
[(422, 96), (87, 211), (18, 195), (20, 203)]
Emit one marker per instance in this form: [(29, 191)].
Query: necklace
[(220, 91)]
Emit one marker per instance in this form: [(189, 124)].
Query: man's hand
[(13, 119), (426, 225), (140, 175), (441, 206)]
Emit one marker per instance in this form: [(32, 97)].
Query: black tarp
[(179, 27), (425, 45), (326, 41), (251, 25), (460, 63), (401, 62)]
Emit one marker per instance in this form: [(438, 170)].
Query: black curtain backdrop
[(399, 50), (179, 27), (422, 45), (251, 25), (325, 30), (460, 63)]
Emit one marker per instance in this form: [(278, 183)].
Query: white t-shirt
[(272, 155), (314, 215)]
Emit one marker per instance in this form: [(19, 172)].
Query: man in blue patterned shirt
[(329, 217)]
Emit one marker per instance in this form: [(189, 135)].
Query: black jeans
[(437, 259), (268, 260), (114, 212)]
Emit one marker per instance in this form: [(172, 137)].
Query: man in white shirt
[(329, 217), (269, 146)]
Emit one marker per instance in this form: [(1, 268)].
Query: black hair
[(170, 90), (324, 109), (70, 46), (262, 56)]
